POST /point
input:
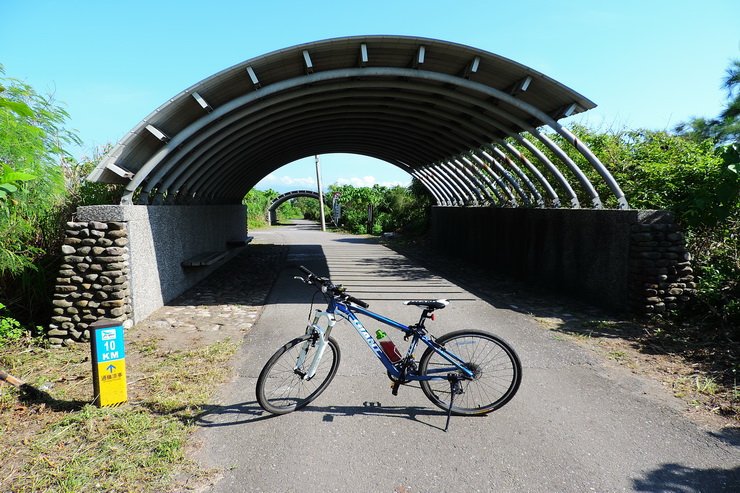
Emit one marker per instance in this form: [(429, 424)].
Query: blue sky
[(646, 63)]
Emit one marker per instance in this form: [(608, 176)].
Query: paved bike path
[(575, 425)]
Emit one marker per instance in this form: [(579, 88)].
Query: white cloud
[(365, 181), (288, 180), (368, 181)]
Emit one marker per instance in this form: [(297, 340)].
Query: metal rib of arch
[(467, 124)]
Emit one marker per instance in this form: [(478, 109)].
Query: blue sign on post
[(109, 363)]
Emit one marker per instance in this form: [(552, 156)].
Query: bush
[(10, 328), (395, 209)]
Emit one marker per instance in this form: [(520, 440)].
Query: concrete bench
[(210, 258), (239, 243), (204, 259)]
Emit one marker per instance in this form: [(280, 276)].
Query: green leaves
[(21, 109), (395, 208), (9, 180)]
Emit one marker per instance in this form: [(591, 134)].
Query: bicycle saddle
[(429, 304)]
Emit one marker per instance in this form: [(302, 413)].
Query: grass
[(68, 445)]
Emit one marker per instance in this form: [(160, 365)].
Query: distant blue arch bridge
[(480, 132)]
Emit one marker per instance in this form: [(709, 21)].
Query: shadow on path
[(251, 412), (678, 478)]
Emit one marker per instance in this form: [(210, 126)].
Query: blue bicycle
[(466, 372)]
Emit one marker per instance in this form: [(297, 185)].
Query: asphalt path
[(576, 425)]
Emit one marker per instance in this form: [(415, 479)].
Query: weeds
[(706, 385), (617, 355)]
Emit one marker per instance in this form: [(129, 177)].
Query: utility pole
[(321, 194)]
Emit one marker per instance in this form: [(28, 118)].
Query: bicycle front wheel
[(496, 368), (281, 387)]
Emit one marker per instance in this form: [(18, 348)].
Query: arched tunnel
[(460, 120), (284, 197), (479, 131)]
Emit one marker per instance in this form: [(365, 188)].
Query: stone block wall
[(660, 266), (93, 281)]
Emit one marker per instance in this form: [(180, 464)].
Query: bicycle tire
[(280, 390), (498, 372)]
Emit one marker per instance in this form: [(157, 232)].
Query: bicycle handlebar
[(357, 301), (330, 288)]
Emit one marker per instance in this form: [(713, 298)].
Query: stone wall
[(93, 281), (124, 262), (623, 260), (660, 266)]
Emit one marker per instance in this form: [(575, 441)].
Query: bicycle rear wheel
[(281, 388), (496, 367)]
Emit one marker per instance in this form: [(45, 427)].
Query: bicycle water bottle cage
[(428, 304)]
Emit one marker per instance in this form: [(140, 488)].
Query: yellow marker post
[(108, 363)]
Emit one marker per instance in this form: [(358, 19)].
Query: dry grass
[(62, 443), (701, 373)]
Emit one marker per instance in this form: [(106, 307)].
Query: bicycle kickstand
[(455, 389)]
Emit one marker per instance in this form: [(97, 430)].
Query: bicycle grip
[(357, 302), (305, 271)]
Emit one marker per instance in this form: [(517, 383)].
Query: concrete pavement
[(575, 424)]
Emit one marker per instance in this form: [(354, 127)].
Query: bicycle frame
[(347, 311)]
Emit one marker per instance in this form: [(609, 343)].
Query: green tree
[(309, 207), (725, 128), (395, 209), (33, 160), (257, 202)]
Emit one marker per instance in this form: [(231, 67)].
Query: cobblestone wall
[(93, 281), (660, 267)]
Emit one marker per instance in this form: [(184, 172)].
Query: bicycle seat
[(428, 304)]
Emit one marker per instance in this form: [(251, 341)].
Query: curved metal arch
[(480, 183), (453, 193), (348, 74), (486, 160), (294, 194), (376, 134), (447, 199), (490, 185), (460, 122), (553, 169), (246, 142), (234, 136), (466, 196), (519, 173), (482, 103), (300, 144), (429, 186), (293, 126), (511, 150), (499, 126)]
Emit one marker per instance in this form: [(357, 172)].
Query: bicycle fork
[(320, 339)]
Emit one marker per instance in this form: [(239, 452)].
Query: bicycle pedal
[(394, 387)]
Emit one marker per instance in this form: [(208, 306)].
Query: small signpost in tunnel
[(108, 363)]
